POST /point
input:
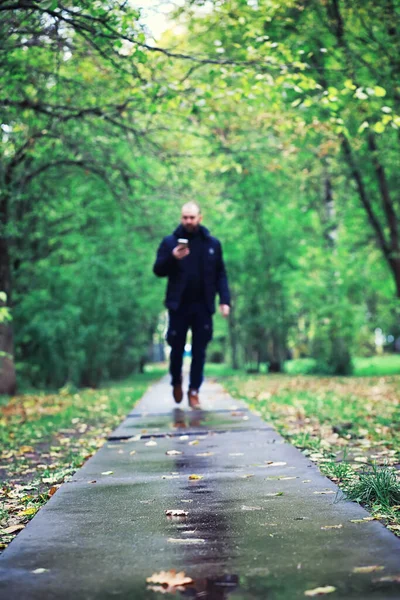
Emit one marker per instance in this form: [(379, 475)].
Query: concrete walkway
[(262, 521)]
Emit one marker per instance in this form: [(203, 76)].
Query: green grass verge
[(349, 426), (45, 437)]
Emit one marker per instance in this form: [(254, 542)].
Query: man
[(192, 260)]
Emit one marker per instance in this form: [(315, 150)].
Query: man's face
[(190, 219)]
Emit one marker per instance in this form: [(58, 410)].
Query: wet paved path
[(254, 523)]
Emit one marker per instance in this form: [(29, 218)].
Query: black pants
[(197, 318)]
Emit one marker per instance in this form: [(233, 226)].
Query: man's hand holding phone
[(182, 249)]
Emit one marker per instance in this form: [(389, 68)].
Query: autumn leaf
[(40, 570), (332, 526), (193, 443), (205, 453), (175, 512), (368, 569), (194, 477), (186, 541), (13, 528), (151, 443), (320, 591), (173, 452), (169, 578), (107, 472)]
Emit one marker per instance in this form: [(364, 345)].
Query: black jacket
[(215, 279)]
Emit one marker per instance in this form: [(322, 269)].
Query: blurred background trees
[(280, 117)]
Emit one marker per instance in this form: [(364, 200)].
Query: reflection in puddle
[(182, 420), (210, 588)]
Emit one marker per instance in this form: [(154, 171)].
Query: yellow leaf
[(194, 477), (193, 443), (369, 569), (13, 528), (27, 512), (320, 591), (25, 449)]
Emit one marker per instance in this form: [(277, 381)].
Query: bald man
[(192, 260)]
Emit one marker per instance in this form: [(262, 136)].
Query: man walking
[(192, 260)]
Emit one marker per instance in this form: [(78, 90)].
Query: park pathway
[(261, 523)]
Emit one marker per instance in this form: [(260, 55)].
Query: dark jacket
[(215, 279)]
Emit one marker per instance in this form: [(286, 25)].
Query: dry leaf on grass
[(176, 512), (320, 591), (12, 528), (369, 569)]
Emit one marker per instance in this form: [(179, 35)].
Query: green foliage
[(378, 485), (282, 122)]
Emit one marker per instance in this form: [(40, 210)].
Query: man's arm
[(222, 281), (165, 261)]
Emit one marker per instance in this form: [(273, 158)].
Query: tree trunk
[(7, 368)]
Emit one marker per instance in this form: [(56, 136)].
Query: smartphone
[(183, 242)]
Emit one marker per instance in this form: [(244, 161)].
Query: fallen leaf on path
[(134, 438), (13, 528), (194, 477), (93, 481), (151, 443), (286, 478), (40, 570), (271, 463), (275, 494), (107, 472), (364, 520), (325, 492), (332, 526), (185, 541), (184, 438), (170, 477), (247, 476), (388, 579), (176, 512), (369, 569), (132, 452), (169, 578), (251, 507), (193, 443), (53, 490), (320, 591), (173, 452), (205, 453), (187, 501), (306, 480)]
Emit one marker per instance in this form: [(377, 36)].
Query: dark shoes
[(193, 397)]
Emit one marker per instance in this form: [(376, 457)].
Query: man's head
[(191, 216)]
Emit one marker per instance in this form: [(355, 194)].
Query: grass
[(349, 426), (45, 438)]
